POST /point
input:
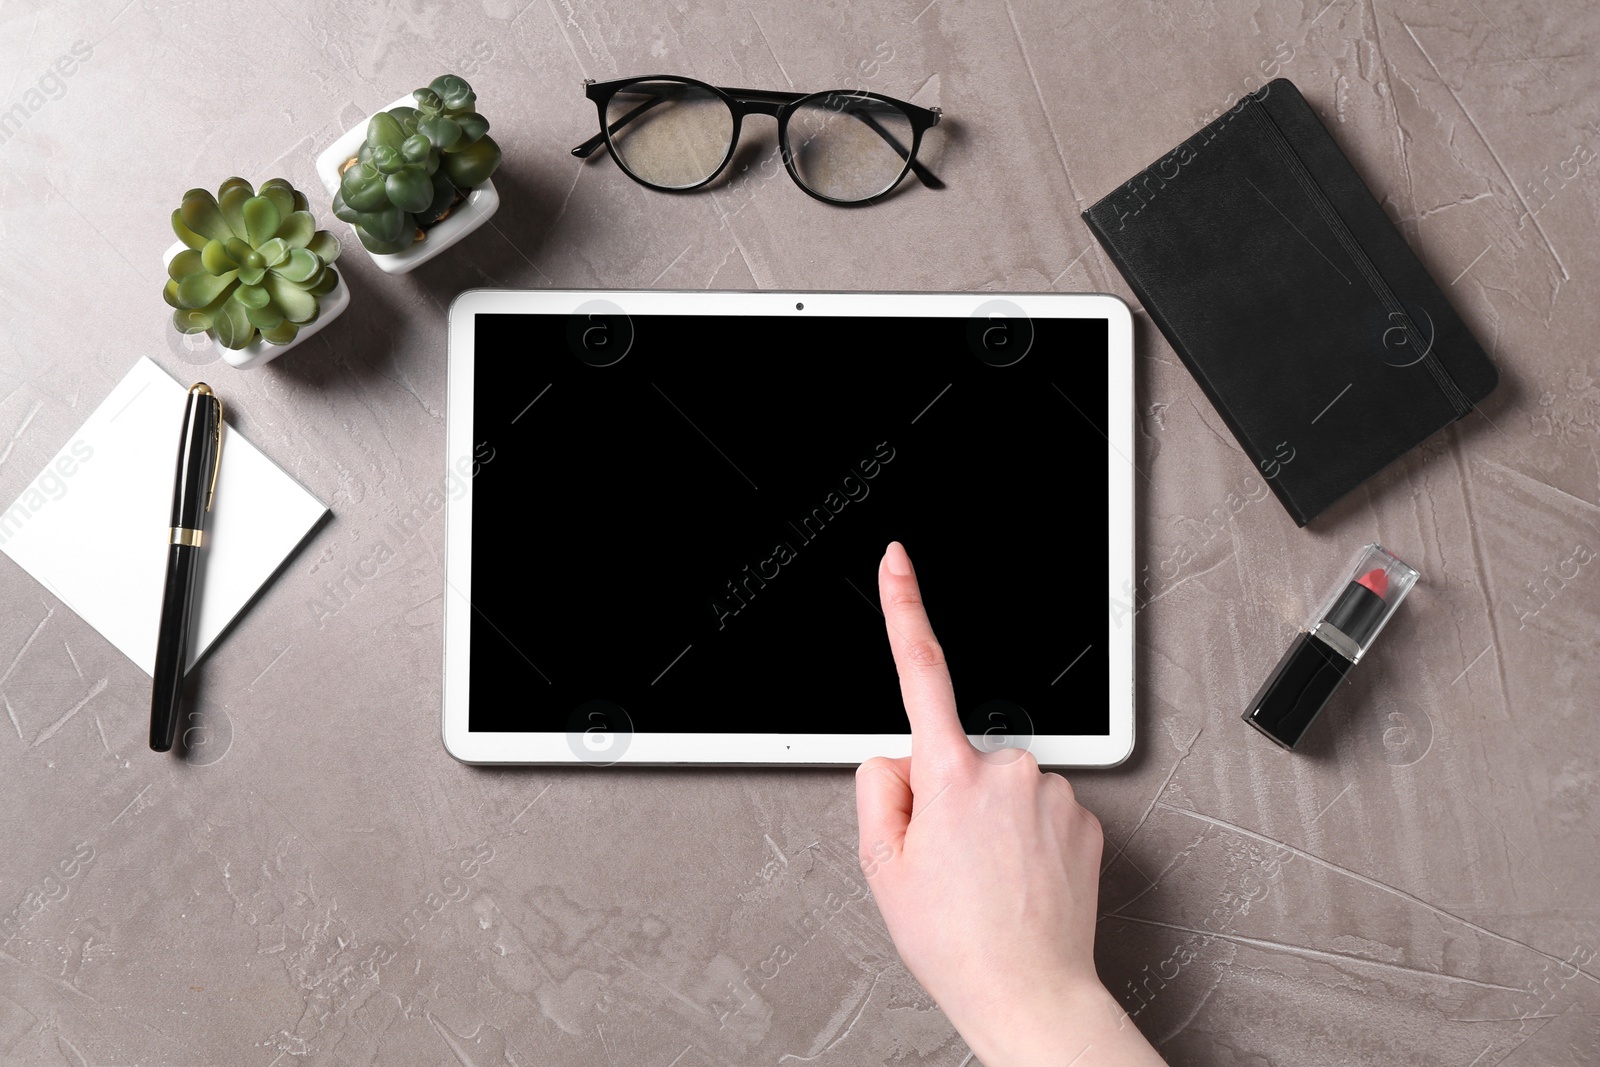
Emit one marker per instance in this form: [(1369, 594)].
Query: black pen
[(194, 487)]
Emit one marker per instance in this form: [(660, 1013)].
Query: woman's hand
[(987, 872)]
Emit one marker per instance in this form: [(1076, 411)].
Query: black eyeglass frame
[(781, 106)]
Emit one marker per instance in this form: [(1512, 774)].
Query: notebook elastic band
[(1397, 312)]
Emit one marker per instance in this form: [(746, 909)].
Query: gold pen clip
[(205, 390)]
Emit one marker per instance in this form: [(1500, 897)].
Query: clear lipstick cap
[(1360, 608)]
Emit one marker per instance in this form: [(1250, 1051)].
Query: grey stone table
[(320, 883)]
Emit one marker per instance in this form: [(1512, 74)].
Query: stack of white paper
[(93, 525)]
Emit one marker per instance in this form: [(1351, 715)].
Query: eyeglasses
[(842, 146)]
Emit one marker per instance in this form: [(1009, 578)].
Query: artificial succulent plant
[(256, 262), (415, 165)]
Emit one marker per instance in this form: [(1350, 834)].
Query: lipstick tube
[(1328, 649)]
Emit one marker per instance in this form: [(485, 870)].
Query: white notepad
[(93, 525)]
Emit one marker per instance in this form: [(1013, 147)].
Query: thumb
[(883, 808)]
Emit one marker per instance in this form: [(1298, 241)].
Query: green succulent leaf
[(232, 327), (297, 229), (454, 91), (185, 263), (249, 275), (444, 197), (342, 209), (264, 318), (473, 164), (327, 283), (231, 203), (388, 226), (428, 101), (415, 149), (234, 182), (409, 189), (200, 289), (300, 201), (308, 283), (186, 235), (325, 245), (262, 218), (252, 296), (301, 266), (282, 195), (473, 126), (364, 153), (296, 304), (380, 247), (281, 334), (200, 214), (384, 129), (238, 251), (441, 130), (214, 256), (407, 117), (273, 252), (222, 298), (386, 159), (169, 293), (195, 320), (363, 188)]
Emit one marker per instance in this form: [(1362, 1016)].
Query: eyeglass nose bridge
[(758, 107), (759, 101)]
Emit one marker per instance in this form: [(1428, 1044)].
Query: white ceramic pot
[(258, 351), (468, 215)]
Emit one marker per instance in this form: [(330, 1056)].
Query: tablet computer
[(665, 512)]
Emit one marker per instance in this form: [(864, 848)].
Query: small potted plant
[(416, 179), (251, 269)]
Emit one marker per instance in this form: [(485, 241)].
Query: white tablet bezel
[(762, 749)]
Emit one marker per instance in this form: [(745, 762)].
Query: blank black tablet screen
[(692, 532)]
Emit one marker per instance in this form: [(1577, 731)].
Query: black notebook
[(1292, 299)]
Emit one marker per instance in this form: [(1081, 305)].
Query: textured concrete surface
[(319, 883)]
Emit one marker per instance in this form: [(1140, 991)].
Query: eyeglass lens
[(669, 133), (849, 147)]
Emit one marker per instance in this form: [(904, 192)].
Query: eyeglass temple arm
[(587, 148), (924, 175)]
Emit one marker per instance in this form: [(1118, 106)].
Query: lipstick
[(1328, 649)]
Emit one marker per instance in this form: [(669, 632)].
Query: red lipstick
[(1325, 652), (1377, 581)]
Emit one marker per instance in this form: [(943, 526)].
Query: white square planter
[(258, 351), (468, 215)]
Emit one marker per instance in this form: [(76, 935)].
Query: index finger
[(924, 676)]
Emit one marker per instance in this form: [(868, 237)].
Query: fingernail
[(896, 559)]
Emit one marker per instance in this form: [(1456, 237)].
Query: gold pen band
[(180, 535)]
